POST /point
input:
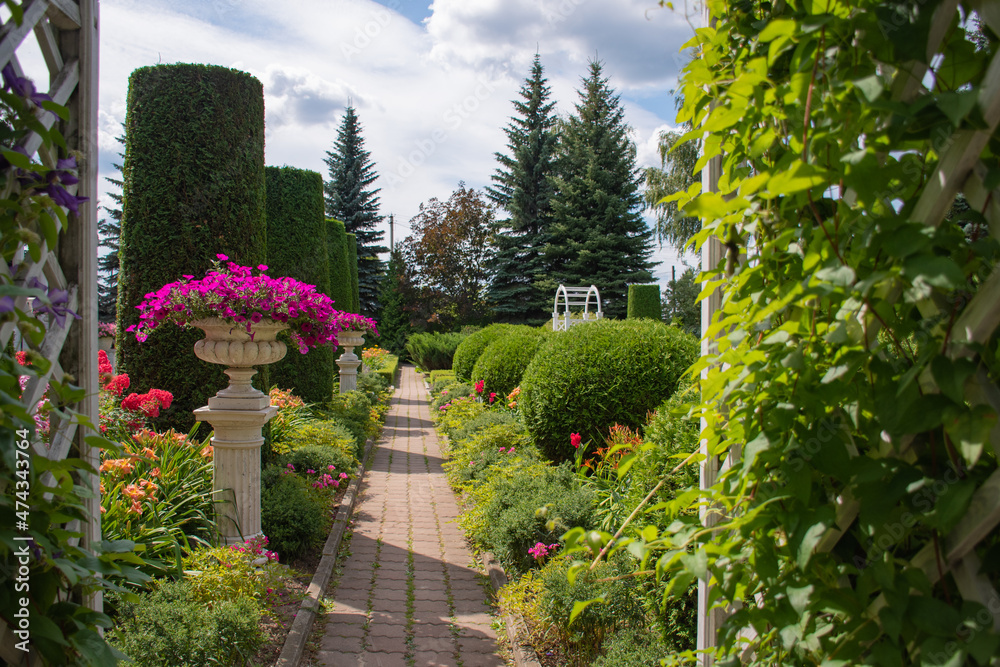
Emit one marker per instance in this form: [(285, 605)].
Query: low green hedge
[(442, 374), (388, 372)]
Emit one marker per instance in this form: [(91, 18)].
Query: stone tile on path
[(409, 593)]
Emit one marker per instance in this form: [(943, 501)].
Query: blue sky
[(432, 81)]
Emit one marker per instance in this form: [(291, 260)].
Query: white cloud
[(433, 99)]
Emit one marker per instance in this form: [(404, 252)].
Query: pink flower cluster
[(232, 292), (256, 546), (540, 551), (504, 450)]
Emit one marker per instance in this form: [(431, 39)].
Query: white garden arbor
[(574, 297)]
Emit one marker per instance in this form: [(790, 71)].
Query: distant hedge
[(644, 301), (352, 265), (468, 352), (340, 271), (596, 375), (297, 248), (193, 186), (433, 351)]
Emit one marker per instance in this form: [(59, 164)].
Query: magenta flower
[(480, 386), (575, 439)]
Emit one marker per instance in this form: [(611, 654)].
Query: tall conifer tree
[(350, 198), (598, 235), (523, 188), (109, 232)]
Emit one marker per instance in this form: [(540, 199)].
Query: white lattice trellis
[(67, 35)]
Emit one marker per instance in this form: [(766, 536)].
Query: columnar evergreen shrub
[(644, 301), (596, 375), (193, 186), (340, 269), (503, 362), (352, 265), (297, 248), (468, 352)]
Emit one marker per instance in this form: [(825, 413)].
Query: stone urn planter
[(237, 414), (106, 343), (349, 361)]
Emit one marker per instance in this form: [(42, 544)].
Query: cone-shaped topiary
[(469, 350), (596, 375), (644, 301), (503, 362), (297, 248), (193, 186)]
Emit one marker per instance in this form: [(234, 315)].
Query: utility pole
[(391, 245)]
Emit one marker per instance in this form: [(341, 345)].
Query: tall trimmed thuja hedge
[(193, 186), (644, 301), (352, 264), (297, 248), (341, 290)]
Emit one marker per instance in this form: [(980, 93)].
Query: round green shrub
[(468, 351), (297, 248), (502, 363), (290, 516), (596, 375), (169, 628), (192, 187), (644, 301)]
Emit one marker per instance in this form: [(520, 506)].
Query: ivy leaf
[(870, 87), (951, 505), (799, 177), (799, 598), (950, 376), (842, 276), (956, 106), (696, 563)]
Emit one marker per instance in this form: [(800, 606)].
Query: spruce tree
[(598, 235), (109, 232), (393, 319), (523, 188), (350, 198)]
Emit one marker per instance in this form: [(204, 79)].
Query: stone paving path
[(408, 593)]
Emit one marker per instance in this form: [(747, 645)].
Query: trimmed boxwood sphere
[(468, 351), (192, 187), (504, 361), (596, 375)]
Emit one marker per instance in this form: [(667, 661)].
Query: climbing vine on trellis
[(854, 392)]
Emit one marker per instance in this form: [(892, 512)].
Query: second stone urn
[(237, 414), (349, 361)]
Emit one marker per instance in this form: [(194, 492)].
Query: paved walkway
[(408, 594)]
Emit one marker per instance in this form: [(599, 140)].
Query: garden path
[(409, 593)]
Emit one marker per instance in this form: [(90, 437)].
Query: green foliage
[(433, 351), (170, 628), (447, 390), (320, 457), (458, 412), (676, 173), (353, 409), (341, 290), (482, 421), (350, 197), (329, 434), (388, 372), (471, 460), (680, 303), (467, 353), (621, 607), (596, 375), (441, 374), (644, 301), (393, 319), (598, 235), (632, 647), (193, 186), (352, 265), (224, 574), (290, 515), (297, 248), (502, 363), (523, 187), (845, 378), (505, 519)]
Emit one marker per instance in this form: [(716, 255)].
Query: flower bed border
[(298, 634), (524, 654)]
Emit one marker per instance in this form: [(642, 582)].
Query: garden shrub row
[(468, 351), (433, 351), (520, 502)]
